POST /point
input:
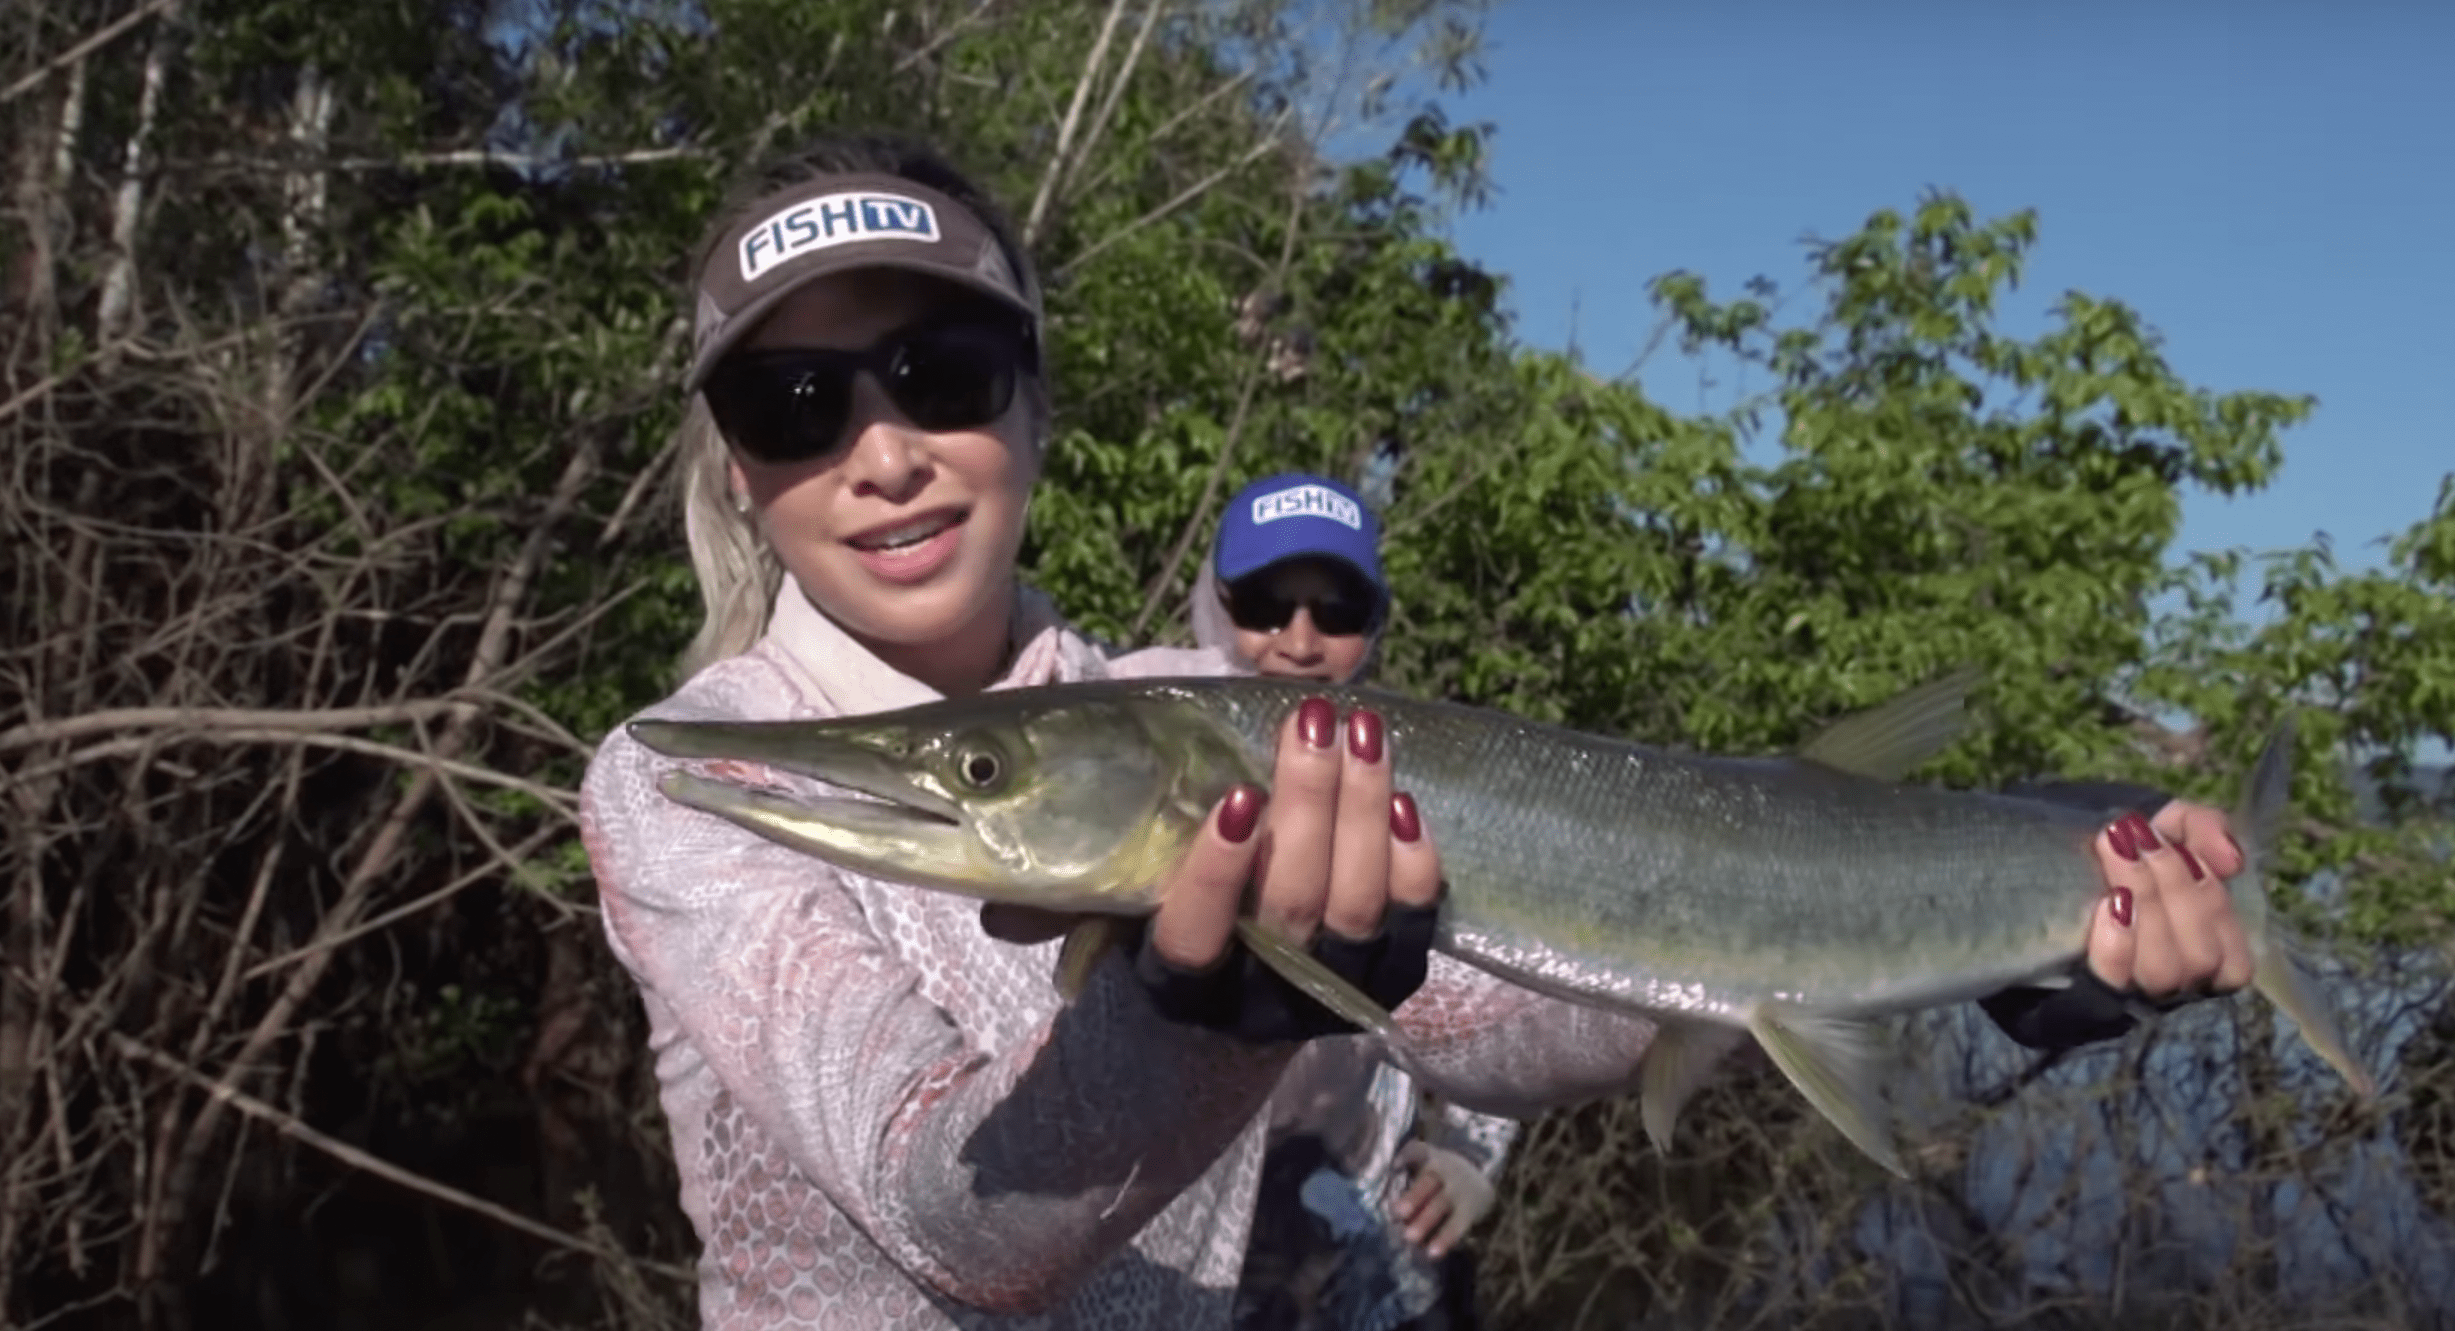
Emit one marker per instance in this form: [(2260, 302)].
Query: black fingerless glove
[(1242, 996)]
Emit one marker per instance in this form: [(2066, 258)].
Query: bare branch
[(101, 37), (1116, 92), (429, 764), (1156, 593), (170, 1176), (945, 35), (1056, 168), (1169, 125), (289, 1126), (1184, 196), (496, 862), (202, 719), (127, 204)]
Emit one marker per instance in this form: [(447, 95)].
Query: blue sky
[(2272, 185)]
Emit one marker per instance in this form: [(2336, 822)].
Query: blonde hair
[(737, 570)]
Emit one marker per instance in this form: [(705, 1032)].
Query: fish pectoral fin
[(1834, 1062), (1088, 941), (1677, 1065), (1305, 971), (1889, 740)]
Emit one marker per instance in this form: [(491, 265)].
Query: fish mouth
[(898, 803)]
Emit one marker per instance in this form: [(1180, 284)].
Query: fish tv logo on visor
[(832, 220), (1308, 501)]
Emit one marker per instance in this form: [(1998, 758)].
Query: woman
[(1293, 588), (881, 1113)]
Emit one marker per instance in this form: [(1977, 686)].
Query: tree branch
[(1183, 197), (289, 1125), (946, 34), (225, 718), (1166, 577), (102, 37), (166, 1195), (119, 277), (1065, 130), (1116, 93)]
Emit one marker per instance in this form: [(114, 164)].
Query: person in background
[(1293, 588)]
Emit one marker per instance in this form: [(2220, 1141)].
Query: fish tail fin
[(2280, 977)]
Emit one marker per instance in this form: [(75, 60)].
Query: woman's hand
[(1333, 849), (2167, 926), (1327, 858), (1445, 1200)]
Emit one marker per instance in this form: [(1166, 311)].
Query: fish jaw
[(866, 836), (1088, 815)]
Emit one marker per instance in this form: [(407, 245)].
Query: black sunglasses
[(791, 405), (1258, 607)]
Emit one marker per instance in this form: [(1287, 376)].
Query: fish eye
[(980, 767)]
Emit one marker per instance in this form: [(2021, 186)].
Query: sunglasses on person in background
[(792, 404), (1259, 608)]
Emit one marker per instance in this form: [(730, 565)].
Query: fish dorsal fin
[(1889, 740)]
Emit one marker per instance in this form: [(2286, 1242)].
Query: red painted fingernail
[(1240, 813), (1364, 735), (2121, 906), (1316, 721), (2142, 835), (2190, 862), (1405, 823), (2119, 837)]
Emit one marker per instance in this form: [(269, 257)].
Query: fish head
[(1066, 805)]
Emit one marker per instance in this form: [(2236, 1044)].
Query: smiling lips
[(911, 550)]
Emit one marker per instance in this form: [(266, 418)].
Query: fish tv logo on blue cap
[(1295, 516), (835, 219), (1308, 501)]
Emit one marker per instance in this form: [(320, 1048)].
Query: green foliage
[(472, 274)]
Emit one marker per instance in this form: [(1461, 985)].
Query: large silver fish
[(1790, 899)]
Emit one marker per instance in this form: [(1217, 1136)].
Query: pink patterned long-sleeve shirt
[(883, 1118)]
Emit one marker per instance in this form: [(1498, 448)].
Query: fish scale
[(1786, 899)]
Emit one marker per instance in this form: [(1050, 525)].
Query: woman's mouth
[(911, 550)]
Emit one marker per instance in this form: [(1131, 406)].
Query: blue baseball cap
[(1295, 515)]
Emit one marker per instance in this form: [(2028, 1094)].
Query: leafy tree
[(338, 365)]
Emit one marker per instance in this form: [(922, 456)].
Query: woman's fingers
[(1294, 869), (2203, 830), (2183, 934), (1360, 855), (1333, 847), (2113, 941), (1203, 896), (2202, 855), (2215, 948), (2155, 962), (1414, 863)]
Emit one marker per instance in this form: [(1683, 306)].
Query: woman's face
[(907, 537), (1301, 650)]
